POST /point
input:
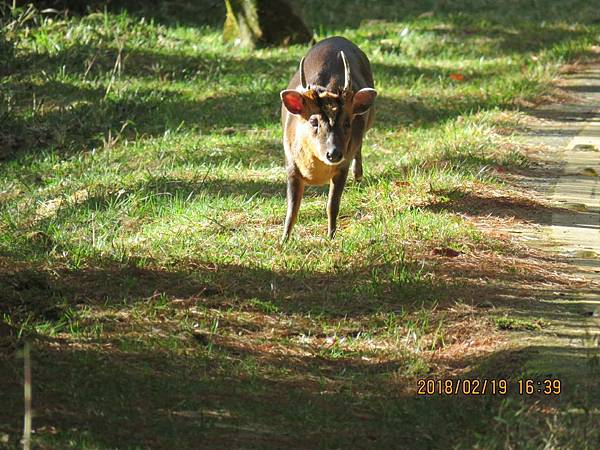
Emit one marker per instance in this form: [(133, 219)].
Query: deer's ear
[(293, 101), (363, 100)]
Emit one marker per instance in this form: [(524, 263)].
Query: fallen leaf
[(228, 131), (457, 76), (446, 251), (585, 148), (589, 172), (201, 336), (580, 207)]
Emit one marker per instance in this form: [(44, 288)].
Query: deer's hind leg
[(357, 168), (358, 131)]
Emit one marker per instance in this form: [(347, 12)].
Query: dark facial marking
[(331, 109)]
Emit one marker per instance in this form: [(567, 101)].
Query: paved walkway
[(570, 134)]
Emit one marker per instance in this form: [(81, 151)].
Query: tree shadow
[(96, 60), (114, 397), (376, 287), (45, 294), (72, 118), (122, 393), (188, 190), (83, 122), (199, 13), (429, 108), (472, 204), (350, 14), (573, 365), (509, 38), (80, 116), (188, 403), (406, 73), (519, 13), (424, 111), (231, 394)]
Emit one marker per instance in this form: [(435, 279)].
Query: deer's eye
[(314, 122)]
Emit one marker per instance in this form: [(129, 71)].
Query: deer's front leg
[(295, 191), (336, 187)]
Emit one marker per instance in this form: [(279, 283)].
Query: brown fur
[(302, 145), (313, 170), (324, 96)]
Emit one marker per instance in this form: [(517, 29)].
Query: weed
[(511, 323)]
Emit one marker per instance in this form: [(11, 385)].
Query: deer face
[(327, 117)]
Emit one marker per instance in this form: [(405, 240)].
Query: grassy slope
[(141, 201)]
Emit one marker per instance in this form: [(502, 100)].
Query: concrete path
[(579, 188), (570, 134)]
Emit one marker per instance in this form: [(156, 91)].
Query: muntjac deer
[(327, 108)]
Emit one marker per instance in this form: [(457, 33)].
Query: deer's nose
[(334, 155)]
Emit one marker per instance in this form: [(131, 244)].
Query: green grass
[(142, 199), (511, 323)]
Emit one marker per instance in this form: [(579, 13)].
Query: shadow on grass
[(480, 15), (472, 204), (426, 111), (375, 287), (109, 395), (519, 37), (46, 295), (83, 122), (212, 400), (199, 13), (97, 61), (71, 118), (174, 189), (350, 13), (126, 392)]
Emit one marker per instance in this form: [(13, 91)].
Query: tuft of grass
[(515, 324)]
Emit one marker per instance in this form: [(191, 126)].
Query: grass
[(511, 323), (142, 198)]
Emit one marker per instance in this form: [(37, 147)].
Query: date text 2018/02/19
[(485, 386)]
